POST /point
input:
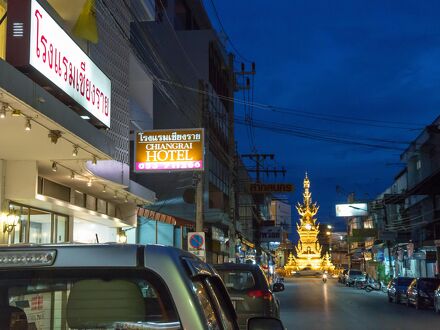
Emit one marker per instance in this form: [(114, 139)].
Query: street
[(307, 303)]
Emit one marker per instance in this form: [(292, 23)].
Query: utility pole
[(232, 154), (199, 177), (388, 243), (258, 158)]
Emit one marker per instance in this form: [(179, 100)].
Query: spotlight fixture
[(104, 189), (28, 125), (54, 135), (72, 175), (75, 151), (3, 111), (16, 113), (94, 160), (54, 166), (89, 183)]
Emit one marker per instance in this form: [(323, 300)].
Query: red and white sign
[(196, 244), (51, 52)]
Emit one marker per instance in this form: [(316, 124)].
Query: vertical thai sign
[(169, 150), (36, 42)]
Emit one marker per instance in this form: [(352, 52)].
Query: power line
[(224, 32), (317, 136), (314, 115)]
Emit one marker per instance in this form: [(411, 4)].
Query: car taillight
[(260, 294)]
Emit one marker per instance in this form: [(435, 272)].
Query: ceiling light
[(104, 189), (89, 183), (28, 125), (54, 167), (85, 117), (94, 161), (54, 135), (3, 111), (75, 151), (16, 113), (72, 175)]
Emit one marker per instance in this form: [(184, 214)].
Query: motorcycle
[(373, 286), (324, 278)]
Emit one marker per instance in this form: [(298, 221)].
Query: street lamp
[(10, 221), (121, 237)]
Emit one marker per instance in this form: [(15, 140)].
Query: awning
[(156, 216)]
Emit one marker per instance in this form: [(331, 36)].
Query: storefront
[(63, 177)]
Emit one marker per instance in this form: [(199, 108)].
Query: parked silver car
[(110, 286), (354, 275), (250, 291)]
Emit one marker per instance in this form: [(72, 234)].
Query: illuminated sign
[(267, 188), (351, 210), (44, 45), (169, 150)]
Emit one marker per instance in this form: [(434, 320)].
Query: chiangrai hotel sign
[(169, 150)]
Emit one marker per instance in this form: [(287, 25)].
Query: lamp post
[(329, 234)]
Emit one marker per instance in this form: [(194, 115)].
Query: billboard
[(169, 150), (351, 210), (38, 45)]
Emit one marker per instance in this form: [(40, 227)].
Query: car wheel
[(436, 307)]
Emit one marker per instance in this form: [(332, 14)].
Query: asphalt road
[(307, 303)]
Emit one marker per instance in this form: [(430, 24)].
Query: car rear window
[(404, 281), (429, 284), (238, 280), (78, 299)]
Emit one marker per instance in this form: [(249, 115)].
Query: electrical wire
[(313, 115), (224, 32)]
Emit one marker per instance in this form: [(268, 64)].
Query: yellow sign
[(169, 150)]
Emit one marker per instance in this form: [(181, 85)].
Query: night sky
[(365, 72)]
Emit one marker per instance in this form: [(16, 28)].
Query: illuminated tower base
[(308, 249)]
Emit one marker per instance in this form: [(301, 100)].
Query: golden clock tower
[(308, 249)]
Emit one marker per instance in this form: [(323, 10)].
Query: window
[(236, 280), (96, 299), (39, 226), (61, 226)]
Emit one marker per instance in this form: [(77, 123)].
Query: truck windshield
[(79, 299)]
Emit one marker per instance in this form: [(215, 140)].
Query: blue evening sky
[(368, 60)]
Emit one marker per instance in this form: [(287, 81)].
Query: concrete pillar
[(3, 202)]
